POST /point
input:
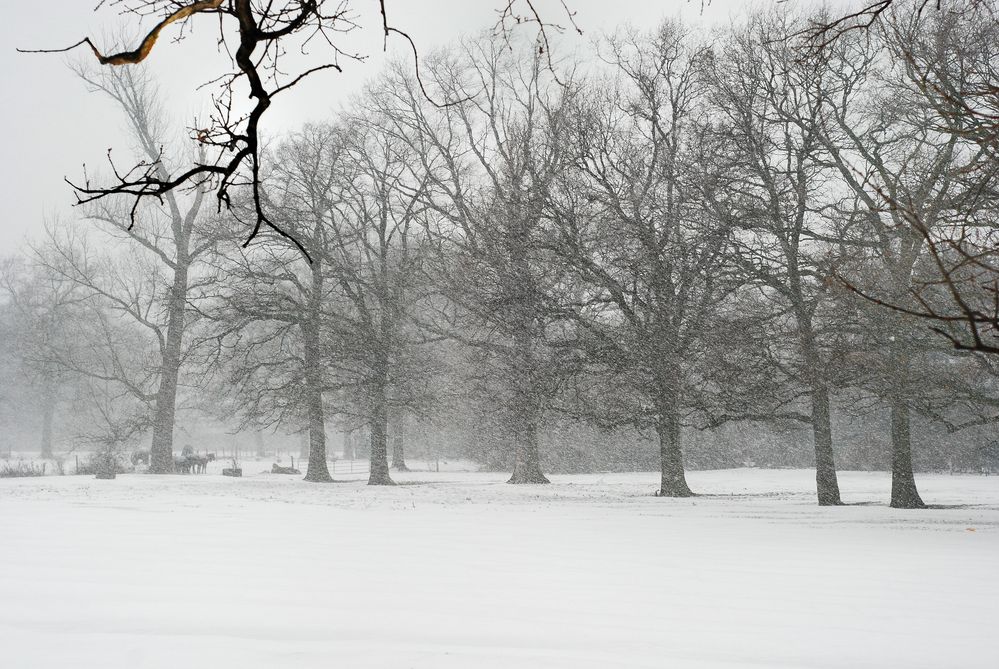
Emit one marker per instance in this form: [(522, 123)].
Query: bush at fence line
[(91, 466), (21, 469)]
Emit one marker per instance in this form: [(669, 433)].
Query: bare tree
[(120, 342), (633, 228), (376, 260), (886, 148), (171, 234), (487, 160), (775, 185), (43, 315), (340, 190), (364, 216), (269, 346)]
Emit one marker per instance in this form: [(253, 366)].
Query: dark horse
[(190, 464)]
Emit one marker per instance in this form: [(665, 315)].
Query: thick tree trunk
[(398, 445), (48, 417), (379, 468), (527, 463), (522, 321), (904, 494), (161, 448), (826, 481), (673, 480), (182, 224), (318, 471), (527, 460)]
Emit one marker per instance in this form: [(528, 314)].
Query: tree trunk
[(161, 448), (398, 445), (826, 481), (318, 471), (379, 474), (520, 290), (903, 482), (673, 480), (527, 463), (48, 417), (904, 494)]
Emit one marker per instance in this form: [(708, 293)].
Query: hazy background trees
[(667, 247)]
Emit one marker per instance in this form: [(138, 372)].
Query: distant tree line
[(669, 236)]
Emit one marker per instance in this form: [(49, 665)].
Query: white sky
[(53, 125)]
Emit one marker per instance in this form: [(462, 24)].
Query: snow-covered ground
[(459, 570)]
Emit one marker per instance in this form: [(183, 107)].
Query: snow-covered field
[(459, 570)]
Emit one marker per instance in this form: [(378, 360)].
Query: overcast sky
[(53, 125)]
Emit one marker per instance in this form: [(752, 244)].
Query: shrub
[(21, 469), (98, 464)]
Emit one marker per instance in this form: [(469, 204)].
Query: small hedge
[(93, 466), (21, 469)]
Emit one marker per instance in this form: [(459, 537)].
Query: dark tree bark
[(900, 386), (527, 463), (522, 292), (904, 494), (826, 481), (379, 474), (673, 480), (398, 445), (527, 460), (164, 415), (318, 471)]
